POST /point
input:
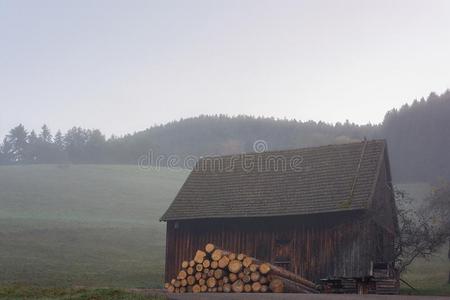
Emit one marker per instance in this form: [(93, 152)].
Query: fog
[(123, 66), (170, 143)]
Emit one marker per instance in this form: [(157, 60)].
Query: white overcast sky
[(123, 66)]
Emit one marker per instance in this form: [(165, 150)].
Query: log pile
[(216, 270)]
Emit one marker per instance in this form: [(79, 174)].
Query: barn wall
[(383, 213), (334, 244)]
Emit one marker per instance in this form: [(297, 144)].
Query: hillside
[(84, 225), (417, 136)]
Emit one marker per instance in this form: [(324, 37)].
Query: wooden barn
[(324, 213)]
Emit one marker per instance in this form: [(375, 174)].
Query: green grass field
[(84, 225), (429, 276), (19, 292), (98, 226)]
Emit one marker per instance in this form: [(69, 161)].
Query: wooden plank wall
[(383, 213), (330, 245)]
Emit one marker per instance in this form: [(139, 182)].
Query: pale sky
[(123, 66)]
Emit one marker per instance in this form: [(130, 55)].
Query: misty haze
[(162, 150)]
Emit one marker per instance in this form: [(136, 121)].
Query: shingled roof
[(292, 182)]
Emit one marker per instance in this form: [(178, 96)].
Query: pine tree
[(59, 140), (45, 135), (32, 150), (6, 152), (32, 138), (18, 139)]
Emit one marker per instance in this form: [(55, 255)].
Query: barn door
[(284, 251)]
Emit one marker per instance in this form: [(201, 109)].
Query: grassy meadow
[(84, 225), (429, 276), (98, 226), (19, 292)]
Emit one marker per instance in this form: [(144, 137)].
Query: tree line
[(77, 145), (417, 134), (200, 136)]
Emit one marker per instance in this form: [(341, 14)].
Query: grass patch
[(66, 254), (16, 292), (430, 276), (84, 225)]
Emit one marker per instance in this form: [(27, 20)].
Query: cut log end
[(246, 278), (191, 280), (214, 264), (199, 267), (235, 266), (209, 248), (276, 285), (206, 263), (211, 282), (217, 254), (218, 273), (264, 268), (247, 261), (184, 282), (199, 256), (237, 286), (182, 274), (198, 276), (177, 283), (255, 276), (223, 262), (185, 264), (233, 277), (256, 287)]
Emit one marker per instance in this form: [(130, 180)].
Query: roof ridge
[(293, 149)]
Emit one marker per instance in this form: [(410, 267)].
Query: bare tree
[(423, 228)]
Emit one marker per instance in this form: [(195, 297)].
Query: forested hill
[(418, 139)]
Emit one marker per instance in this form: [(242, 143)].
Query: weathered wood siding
[(314, 247), (383, 213)]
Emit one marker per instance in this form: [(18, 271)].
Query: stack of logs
[(217, 270)]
